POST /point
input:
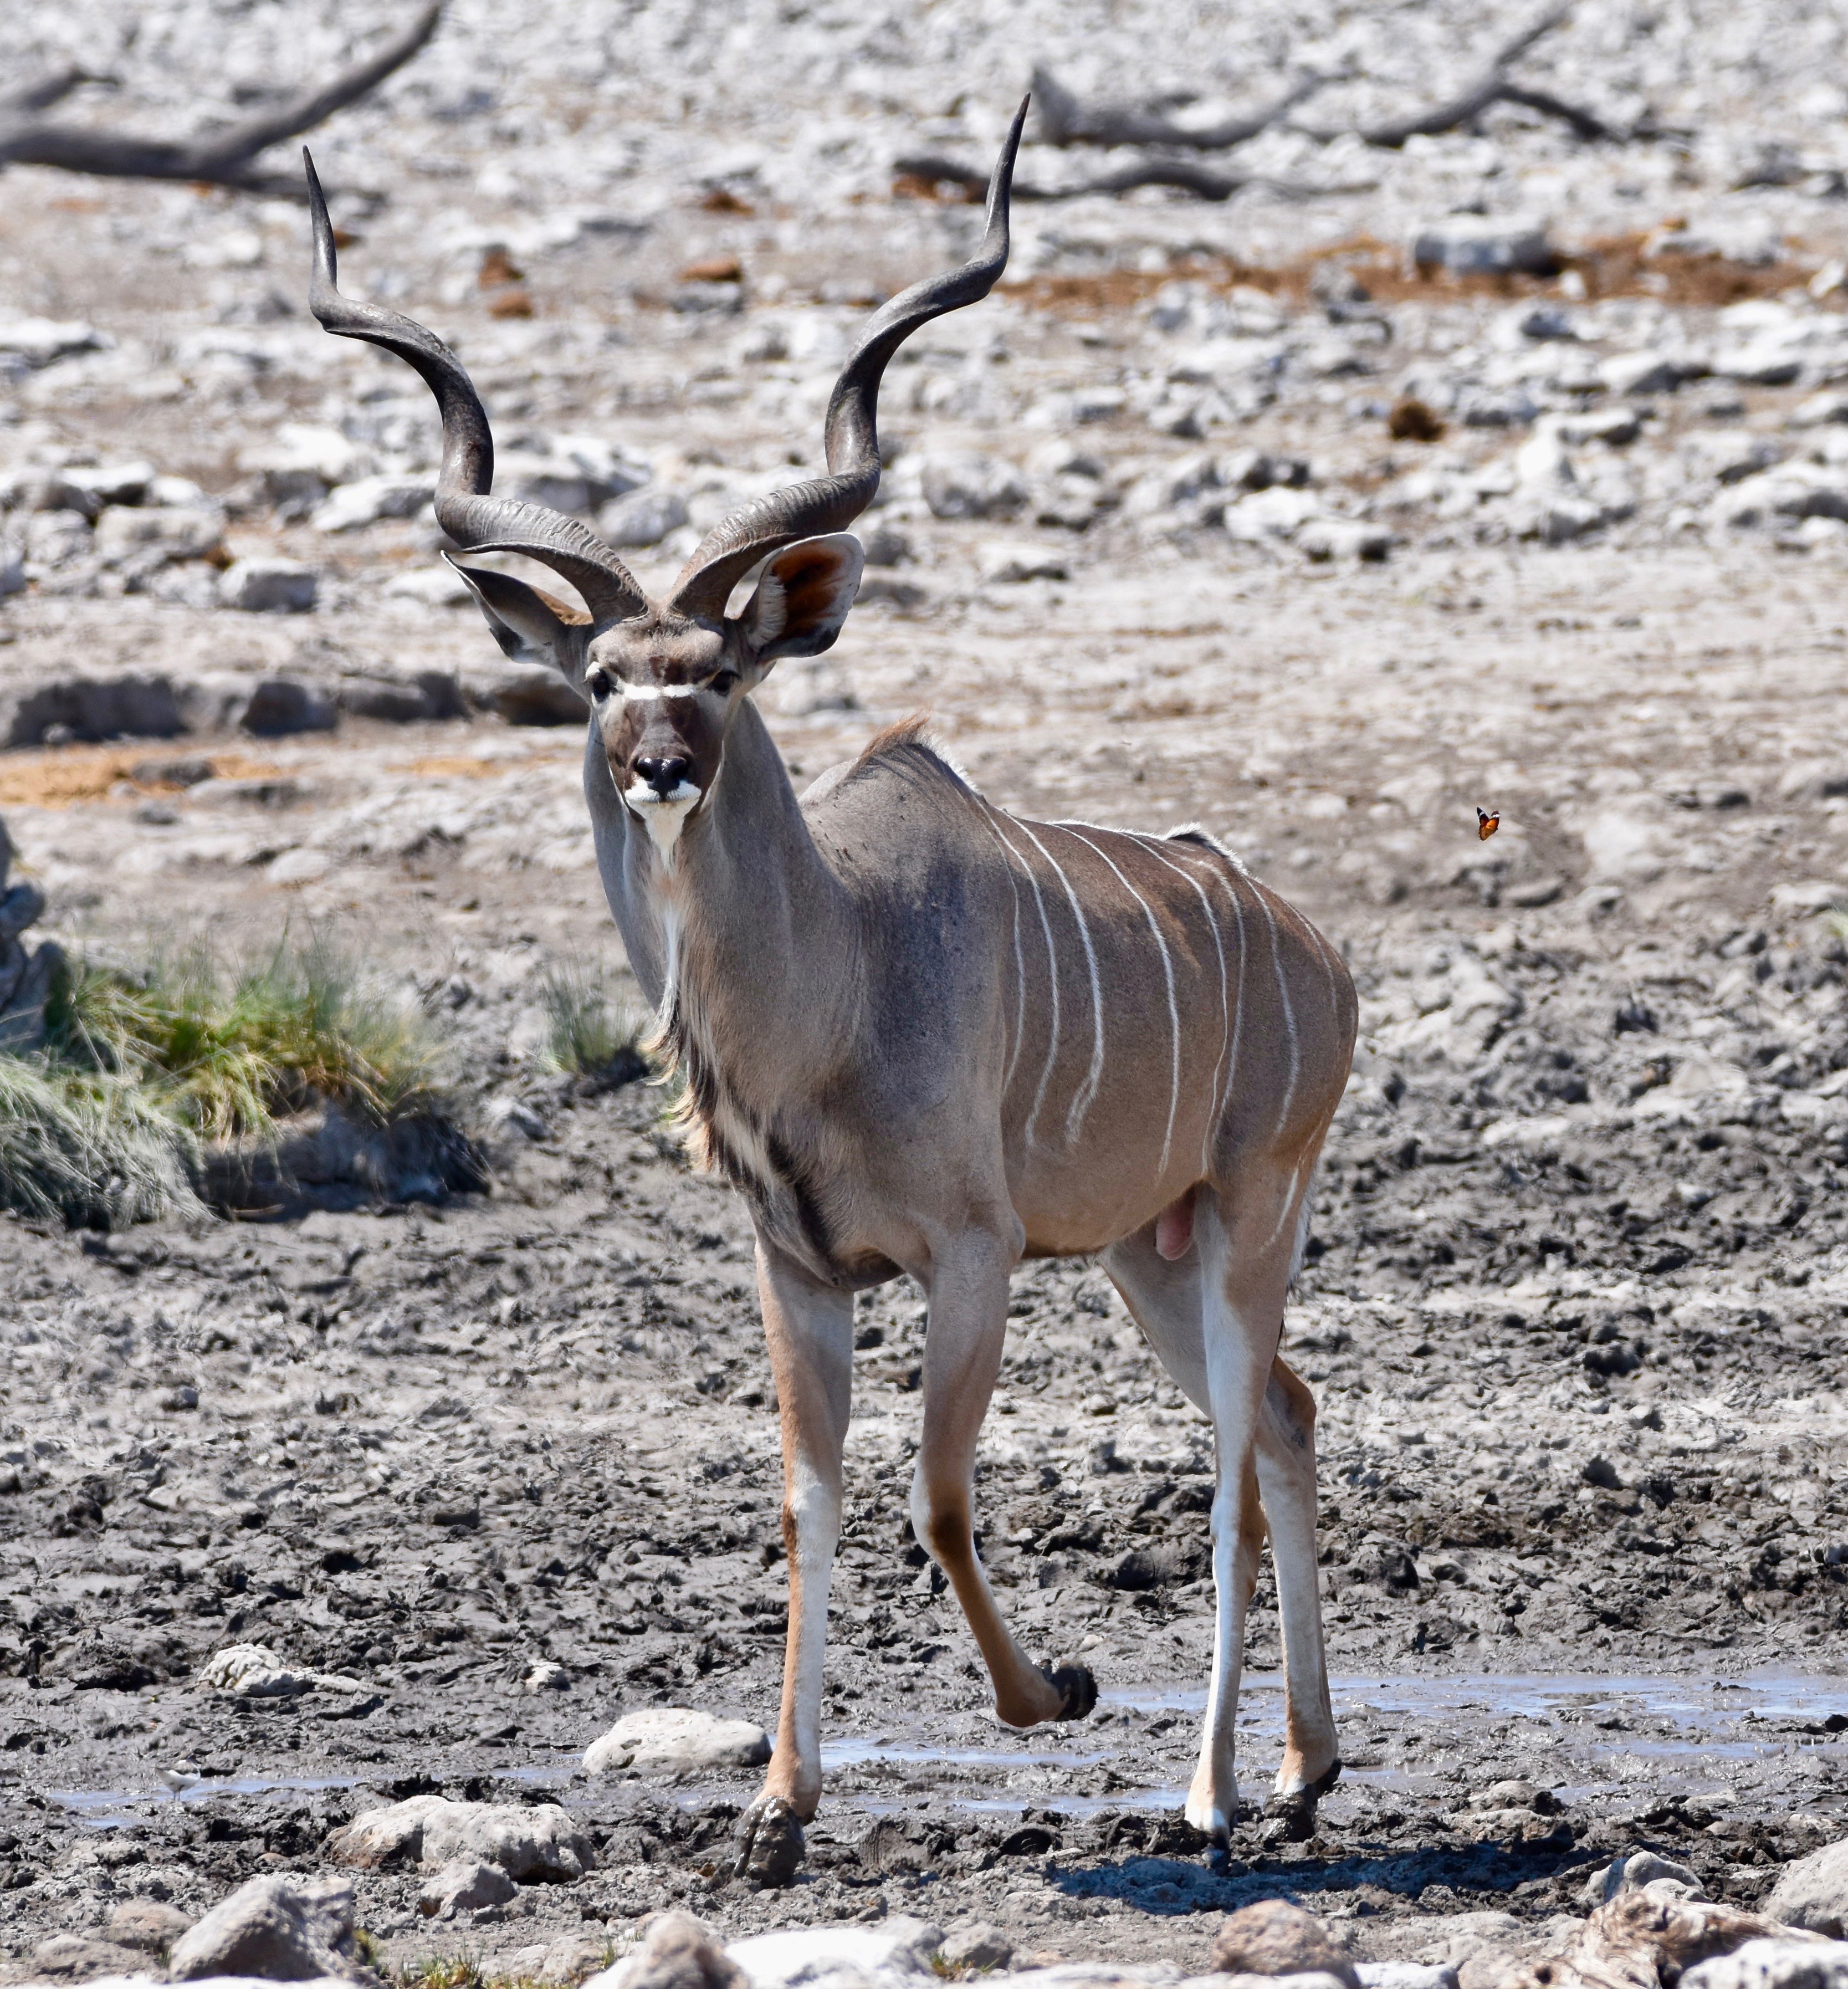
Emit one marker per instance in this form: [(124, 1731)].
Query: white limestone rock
[(539, 1841), (674, 1739), (1773, 1964), (642, 517), (899, 1946), (972, 486), (269, 586), (1812, 1892), (464, 1885), (367, 498), (254, 1671), (281, 1927)]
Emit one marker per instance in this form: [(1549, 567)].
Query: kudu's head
[(664, 675)]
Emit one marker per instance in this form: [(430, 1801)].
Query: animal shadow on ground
[(1163, 1884)]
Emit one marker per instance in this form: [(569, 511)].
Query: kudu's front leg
[(810, 1329), (961, 1357)]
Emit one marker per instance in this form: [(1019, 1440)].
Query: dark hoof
[(770, 1844), (1077, 1690), (1295, 1809), (1219, 1860)]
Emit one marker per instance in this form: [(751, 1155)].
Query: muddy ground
[(1574, 1300), (1573, 1309)]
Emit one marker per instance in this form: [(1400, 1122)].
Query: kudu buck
[(921, 1035)]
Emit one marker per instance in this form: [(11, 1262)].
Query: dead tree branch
[(1586, 124), (1490, 86), (1063, 120), (226, 158), (1187, 175), (48, 90)]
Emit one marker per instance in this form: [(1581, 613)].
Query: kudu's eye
[(725, 682), (598, 684)]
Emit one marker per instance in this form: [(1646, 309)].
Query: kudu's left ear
[(803, 597), (530, 626)]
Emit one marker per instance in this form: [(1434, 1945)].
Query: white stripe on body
[(1238, 997), (1289, 1096), (1289, 1016), (1082, 1098), (1019, 960), (1052, 970), (1152, 844), (1173, 1006)]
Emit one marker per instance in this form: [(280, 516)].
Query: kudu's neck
[(743, 933)]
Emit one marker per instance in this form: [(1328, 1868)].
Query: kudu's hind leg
[(1165, 1297), (1286, 1482), (1245, 1251), (809, 1329), (961, 1357)]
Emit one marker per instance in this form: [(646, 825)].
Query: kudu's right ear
[(530, 626)]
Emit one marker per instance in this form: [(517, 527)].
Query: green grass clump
[(588, 1034), (465, 1971), (105, 1121), (226, 1051)]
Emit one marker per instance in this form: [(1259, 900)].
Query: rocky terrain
[(1514, 476)]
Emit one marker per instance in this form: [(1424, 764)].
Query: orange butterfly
[(1487, 821)]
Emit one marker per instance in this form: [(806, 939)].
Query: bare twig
[(1188, 176), (1064, 121), (224, 159)]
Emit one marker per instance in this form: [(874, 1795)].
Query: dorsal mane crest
[(908, 746)]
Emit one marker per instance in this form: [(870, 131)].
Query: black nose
[(664, 774)]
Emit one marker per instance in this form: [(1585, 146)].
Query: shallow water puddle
[(1594, 1735), (855, 1753), (1597, 1733), (120, 1809)]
